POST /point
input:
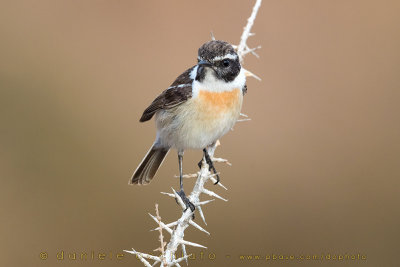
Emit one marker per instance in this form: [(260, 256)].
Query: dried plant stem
[(242, 48)]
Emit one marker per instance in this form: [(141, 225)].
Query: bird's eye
[(225, 62)]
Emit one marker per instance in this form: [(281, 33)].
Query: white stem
[(246, 32)]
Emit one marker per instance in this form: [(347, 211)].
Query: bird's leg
[(210, 164), (181, 193), (180, 160)]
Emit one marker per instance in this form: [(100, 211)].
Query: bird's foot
[(218, 179), (210, 166), (200, 163), (187, 202)]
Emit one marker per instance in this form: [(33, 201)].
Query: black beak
[(201, 67), (204, 63)]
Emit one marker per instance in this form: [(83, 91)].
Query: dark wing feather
[(184, 78), (171, 97), (168, 99)]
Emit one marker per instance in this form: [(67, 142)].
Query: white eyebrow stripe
[(180, 86), (229, 56)]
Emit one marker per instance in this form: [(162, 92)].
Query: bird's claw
[(210, 165), (187, 202)]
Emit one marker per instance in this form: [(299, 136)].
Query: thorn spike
[(168, 194), (188, 243), (198, 227), (212, 194), (201, 214), (205, 202)]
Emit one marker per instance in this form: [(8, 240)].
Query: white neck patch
[(212, 84), (193, 73)]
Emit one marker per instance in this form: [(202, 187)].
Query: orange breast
[(219, 101)]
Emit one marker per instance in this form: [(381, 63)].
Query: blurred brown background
[(315, 171)]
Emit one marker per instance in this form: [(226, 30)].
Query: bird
[(199, 107)]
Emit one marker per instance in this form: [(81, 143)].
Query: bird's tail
[(149, 166)]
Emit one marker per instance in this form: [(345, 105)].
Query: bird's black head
[(220, 57)]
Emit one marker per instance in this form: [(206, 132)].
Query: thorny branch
[(160, 228), (242, 48), (177, 228)]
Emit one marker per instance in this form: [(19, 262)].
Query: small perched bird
[(199, 107)]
